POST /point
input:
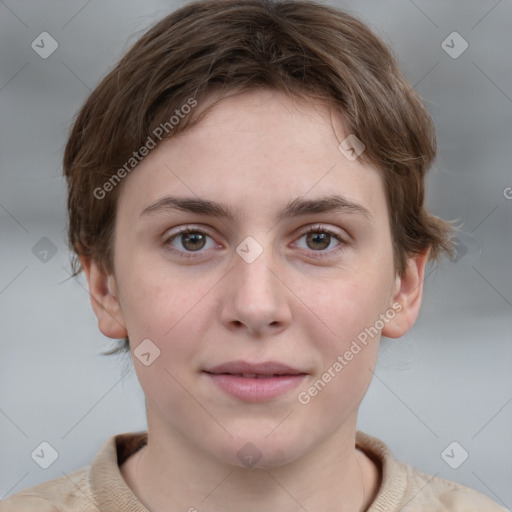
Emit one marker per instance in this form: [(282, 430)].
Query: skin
[(254, 152)]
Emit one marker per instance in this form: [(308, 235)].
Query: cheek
[(170, 309), (349, 305), (347, 327), (169, 313), (348, 348)]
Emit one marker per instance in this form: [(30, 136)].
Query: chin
[(254, 451)]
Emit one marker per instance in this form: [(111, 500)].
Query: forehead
[(256, 152)]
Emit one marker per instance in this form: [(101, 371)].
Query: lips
[(254, 371), (255, 382)]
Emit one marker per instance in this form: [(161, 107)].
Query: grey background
[(448, 380)]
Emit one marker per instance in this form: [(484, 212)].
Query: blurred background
[(441, 397)]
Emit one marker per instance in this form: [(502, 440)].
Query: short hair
[(300, 47)]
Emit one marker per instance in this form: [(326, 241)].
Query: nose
[(255, 297)]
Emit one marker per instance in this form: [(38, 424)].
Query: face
[(259, 316)]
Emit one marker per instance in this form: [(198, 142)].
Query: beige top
[(101, 486)]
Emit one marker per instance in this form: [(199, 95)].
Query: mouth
[(255, 382)]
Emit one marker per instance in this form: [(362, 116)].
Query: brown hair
[(300, 47)]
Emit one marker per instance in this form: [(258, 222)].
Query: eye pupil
[(324, 239), (194, 238)]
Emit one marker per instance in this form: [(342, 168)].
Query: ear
[(104, 300), (408, 293)]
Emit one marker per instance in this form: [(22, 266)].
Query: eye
[(190, 241), (186, 241), (319, 238)]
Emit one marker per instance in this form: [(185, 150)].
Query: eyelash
[(196, 254)]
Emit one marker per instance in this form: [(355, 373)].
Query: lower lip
[(255, 390)]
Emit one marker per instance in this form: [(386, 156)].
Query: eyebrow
[(295, 208)]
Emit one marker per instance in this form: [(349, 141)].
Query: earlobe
[(104, 299), (408, 293)]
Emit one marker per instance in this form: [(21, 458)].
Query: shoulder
[(406, 489), (427, 492), (99, 486), (69, 492)]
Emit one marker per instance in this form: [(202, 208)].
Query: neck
[(333, 477)]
